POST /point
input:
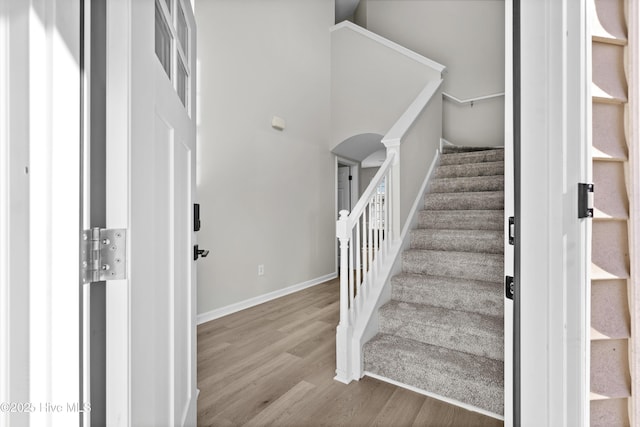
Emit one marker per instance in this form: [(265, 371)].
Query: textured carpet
[(442, 331)]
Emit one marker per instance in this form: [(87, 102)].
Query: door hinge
[(350, 177), (104, 254), (512, 230), (585, 200), (509, 287)]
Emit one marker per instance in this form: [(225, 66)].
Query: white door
[(151, 161)]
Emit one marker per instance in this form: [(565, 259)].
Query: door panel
[(160, 153), (182, 295)]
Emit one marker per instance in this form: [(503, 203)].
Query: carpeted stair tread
[(464, 265), (467, 184), (487, 241), (472, 157), (461, 219), (453, 293), (443, 329), (471, 333), (470, 169), (481, 200), (448, 148), (474, 380)]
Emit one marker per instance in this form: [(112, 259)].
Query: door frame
[(511, 181), (553, 280), (40, 190), (14, 208), (355, 191)]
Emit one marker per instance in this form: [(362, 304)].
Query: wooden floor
[(274, 365)]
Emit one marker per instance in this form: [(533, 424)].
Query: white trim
[(54, 210), (388, 43), (553, 269), (436, 396), (252, 302), (509, 210), (5, 259), (118, 309)]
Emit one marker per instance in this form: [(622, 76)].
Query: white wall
[(467, 36), (371, 84), (267, 197)]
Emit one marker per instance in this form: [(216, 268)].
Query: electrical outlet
[(261, 270)]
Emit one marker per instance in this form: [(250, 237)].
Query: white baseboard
[(251, 302), (436, 396)]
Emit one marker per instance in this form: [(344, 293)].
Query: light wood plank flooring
[(274, 364)]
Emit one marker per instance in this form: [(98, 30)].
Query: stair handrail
[(471, 101)]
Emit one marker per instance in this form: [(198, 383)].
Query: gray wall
[(371, 85), (366, 175), (267, 197), (467, 36)]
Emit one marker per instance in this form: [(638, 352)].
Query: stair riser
[(469, 170), (444, 220), (472, 157), (464, 390), (460, 339), (448, 149), (464, 201), (463, 377), (460, 185), (427, 239), (488, 267)]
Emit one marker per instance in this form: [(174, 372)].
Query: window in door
[(172, 46)]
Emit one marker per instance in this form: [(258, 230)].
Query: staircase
[(442, 330)]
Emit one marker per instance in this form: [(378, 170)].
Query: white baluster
[(343, 331), (386, 213), (365, 266), (357, 245), (370, 246), (394, 187), (352, 293), (342, 231)]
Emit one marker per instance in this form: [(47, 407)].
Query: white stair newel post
[(393, 148), (343, 332)]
